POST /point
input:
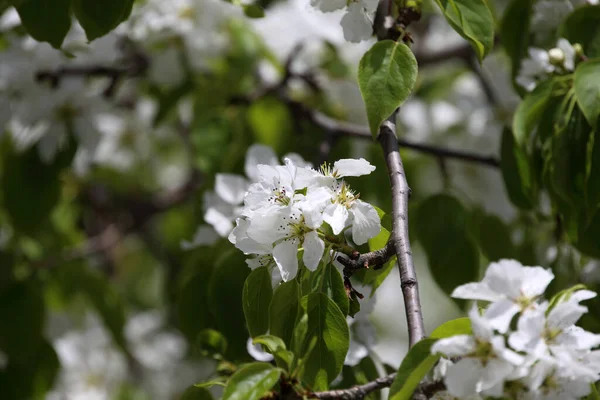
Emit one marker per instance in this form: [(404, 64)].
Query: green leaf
[(100, 17), (209, 343), (516, 172), (417, 363), (277, 348), (283, 311), (333, 287), (587, 89), (530, 110), (515, 32), (271, 122), (30, 188), (594, 395), (441, 226), (458, 326), (196, 393), (30, 377), (581, 26), (253, 11), (473, 20), (105, 299), (386, 76), (225, 301), (494, 238), (216, 382), (592, 178), (22, 314), (45, 20), (251, 382), (327, 325), (192, 313), (256, 299)]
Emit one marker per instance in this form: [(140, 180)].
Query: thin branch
[(106, 240), (424, 391), (341, 128), (399, 234), (376, 258), (357, 392)]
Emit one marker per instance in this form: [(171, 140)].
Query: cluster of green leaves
[(50, 20), (553, 147)]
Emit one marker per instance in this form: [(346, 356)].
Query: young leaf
[(100, 17), (277, 348), (530, 110), (516, 172), (458, 326), (45, 20), (473, 20), (251, 382), (587, 90), (333, 287), (327, 325), (283, 311), (417, 363), (256, 299), (386, 76)]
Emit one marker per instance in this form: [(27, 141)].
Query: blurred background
[(116, 277)]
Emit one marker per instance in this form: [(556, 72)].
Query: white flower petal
[(462, 378), (336, 215), (352, 167), (500, 314), (313, 250), (454, 346), (256, 351), (205, 236), (219, 221), (258, 154), (328, 5), (356, 24), (231, 188), (475, 291), (366, 223), (286, 257), (481, 326)]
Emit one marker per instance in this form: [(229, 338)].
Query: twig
[(106, 240), (399, 234), (341, 128), (424, 391), (377, 258)]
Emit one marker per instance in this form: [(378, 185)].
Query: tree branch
[(376, 258), (341, 128), (424, 391), (399, 234)]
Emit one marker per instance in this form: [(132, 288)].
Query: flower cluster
[(293, 208), (357, 23), (542, 63), (541, 355), (224, 205)]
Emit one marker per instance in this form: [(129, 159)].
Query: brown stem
[(399, 234)]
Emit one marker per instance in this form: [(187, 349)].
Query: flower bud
[(556, 56), (578, 49)]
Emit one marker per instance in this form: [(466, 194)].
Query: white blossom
[(356, 23), (485, 364), (510, 287)]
